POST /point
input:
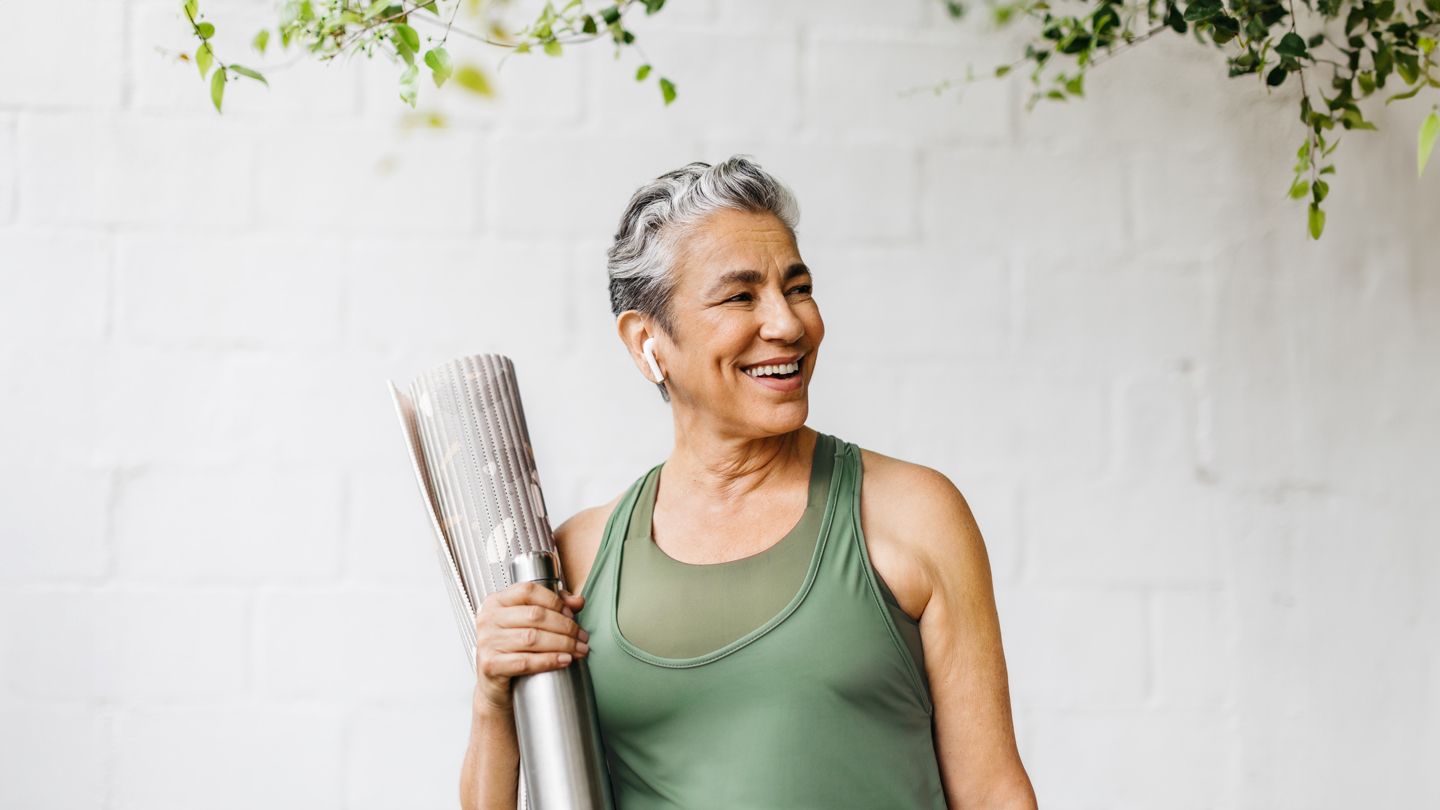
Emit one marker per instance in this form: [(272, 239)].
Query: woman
[(855, 661)]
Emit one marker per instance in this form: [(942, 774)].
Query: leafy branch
[(325, 29), (1262, 38)]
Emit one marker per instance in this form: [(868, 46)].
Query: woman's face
[(743, 298)]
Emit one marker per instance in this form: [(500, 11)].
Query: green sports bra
[(681, 609), (802, 694)]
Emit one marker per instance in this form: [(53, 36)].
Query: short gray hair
[(662, 213)]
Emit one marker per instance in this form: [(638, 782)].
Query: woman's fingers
[(532, 639), (538, 617), (514, 664), (529, 593)]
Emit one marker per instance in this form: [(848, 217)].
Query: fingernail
[(584, 634), (582, 647), (564, 658)]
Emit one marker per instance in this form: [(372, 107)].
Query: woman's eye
[(802, 288)]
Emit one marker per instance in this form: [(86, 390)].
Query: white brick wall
[(1202, 448)]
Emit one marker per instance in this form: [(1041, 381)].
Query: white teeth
[(765, 371)]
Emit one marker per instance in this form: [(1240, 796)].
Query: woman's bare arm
[(490, 777), (960, 631), (925, 522)]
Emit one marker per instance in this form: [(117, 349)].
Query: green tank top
[(792, 691)]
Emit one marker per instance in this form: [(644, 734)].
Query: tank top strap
[(849, 567), (611, 539)]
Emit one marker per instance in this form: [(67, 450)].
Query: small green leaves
[(667, 90), (438, 60), (204, 30), (642, 72), (191, 9), (1293, 46), (409, 36), (217, 87), (1429, 128), (552, 47), (409, 83), (1317, 220), (262, 39), (245, 71), (1201, 10), (204, 59), (470, 78)]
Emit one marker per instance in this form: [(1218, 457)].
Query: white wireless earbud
[(648, 349)]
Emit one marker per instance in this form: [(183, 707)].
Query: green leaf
[(375, 8), (204, 59), (1076, 85), (409, 84), (262, 39), (409, 35), (245, 71), (1354, 120), (1001, 70), (1429, 128), (438, 59), (552, 47), (1202, 10), (1408, 65), (1277, 76), (1317, 220), (1298, 189), (205, 30), (1320, 189), (190, 9), (470, 78), (642, 72), (667, 90), (1407, 94), (1367, 81), (217, 87), (1292, 45)]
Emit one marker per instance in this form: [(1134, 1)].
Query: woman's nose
[(779, 321)]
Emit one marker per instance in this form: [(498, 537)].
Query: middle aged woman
[(762, 631)]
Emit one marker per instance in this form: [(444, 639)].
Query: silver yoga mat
[(470, 449)]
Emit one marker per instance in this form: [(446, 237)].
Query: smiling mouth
[(777, 372)]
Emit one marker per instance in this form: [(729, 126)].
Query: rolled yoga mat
[(470, 449)]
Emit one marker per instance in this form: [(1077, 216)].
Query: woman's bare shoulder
[(896, 476), (578, 539), (914, 518)]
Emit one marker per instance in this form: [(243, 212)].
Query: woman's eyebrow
[(750, 276)]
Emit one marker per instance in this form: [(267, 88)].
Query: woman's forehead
[(739, 248)]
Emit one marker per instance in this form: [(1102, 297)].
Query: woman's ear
[(635, 333)]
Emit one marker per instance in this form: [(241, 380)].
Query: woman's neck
[(717, 470)]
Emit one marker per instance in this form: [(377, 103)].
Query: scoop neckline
[(647, 503), (613, 611)]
